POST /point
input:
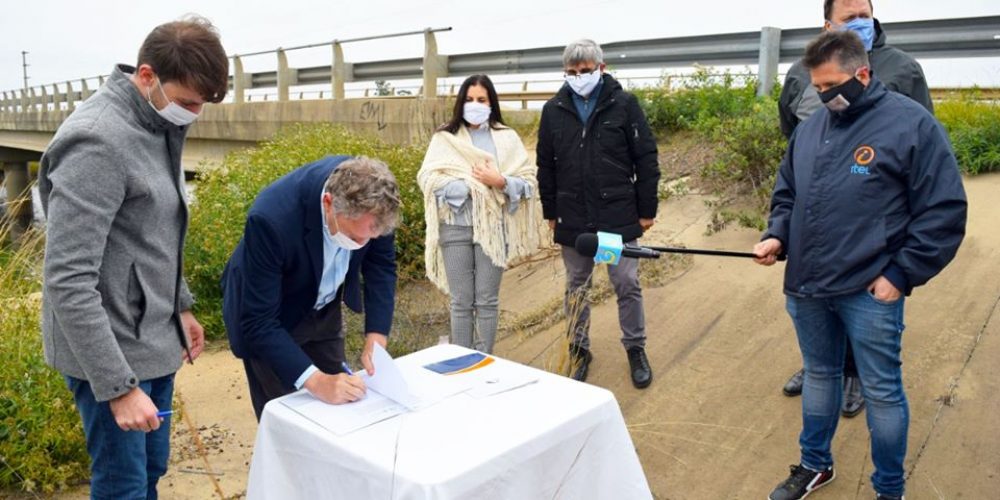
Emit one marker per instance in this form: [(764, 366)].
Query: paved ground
[(714, 424)]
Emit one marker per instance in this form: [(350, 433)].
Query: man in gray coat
[(116, 317), (899, 72)]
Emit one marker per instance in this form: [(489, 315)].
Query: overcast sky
[(73, 39)]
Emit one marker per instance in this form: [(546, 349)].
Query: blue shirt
[(585, 105), (336, 261)]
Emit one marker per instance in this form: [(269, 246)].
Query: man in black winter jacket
[(868, 205), (899, 72), (598, 171)]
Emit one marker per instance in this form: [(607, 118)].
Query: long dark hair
[(457, 119)]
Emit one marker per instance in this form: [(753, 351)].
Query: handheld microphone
[(592, 245), (607, 248)]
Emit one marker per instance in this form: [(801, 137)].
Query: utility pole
[(24, 69)]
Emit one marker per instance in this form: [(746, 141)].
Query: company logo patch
[(864, 155)]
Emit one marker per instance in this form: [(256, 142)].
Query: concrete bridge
[(29, 117)]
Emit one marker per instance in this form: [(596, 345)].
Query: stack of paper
[(394, 389)]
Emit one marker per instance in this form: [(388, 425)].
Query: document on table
[(393, 390), (346, 418), (410, 386)]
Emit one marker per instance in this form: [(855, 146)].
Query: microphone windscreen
[(586, 244)]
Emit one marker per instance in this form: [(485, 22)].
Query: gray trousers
[(475, 289), (625, 280)]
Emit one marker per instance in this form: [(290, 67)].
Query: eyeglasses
[(573, 72)]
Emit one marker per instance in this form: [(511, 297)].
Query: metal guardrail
[(944, 38)]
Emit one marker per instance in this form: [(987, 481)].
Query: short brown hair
[(843, 46), (828, 8), (189, 52)]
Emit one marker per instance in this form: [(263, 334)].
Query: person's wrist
[(312, 380)]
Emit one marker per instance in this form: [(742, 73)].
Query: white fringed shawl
[(504, 237)]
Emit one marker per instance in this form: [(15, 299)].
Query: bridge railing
[(945, 38)]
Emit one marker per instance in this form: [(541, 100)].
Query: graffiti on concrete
[(374, 111)]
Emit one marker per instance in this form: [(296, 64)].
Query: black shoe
[(853, 402), (581, 359), (638, 365), (793, 387), (801, 483), (879, 496)]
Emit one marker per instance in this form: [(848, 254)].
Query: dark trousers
[(320, 335), (850, 369)]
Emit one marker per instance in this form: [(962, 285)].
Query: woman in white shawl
[(480, 207)]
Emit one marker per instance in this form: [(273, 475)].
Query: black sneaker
[(638, 366), (793, 387), (801, 483), (581, 358), (879, 496)]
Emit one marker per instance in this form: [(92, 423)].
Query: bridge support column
[(18, 203), (239, 81), (286, 76), (339, 74), (70, 96), (85, 91), (770, 55), (435, 65)]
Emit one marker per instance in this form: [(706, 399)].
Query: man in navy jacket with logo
[(868, 205), (309, 239)]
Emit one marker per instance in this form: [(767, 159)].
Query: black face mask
[(840, 98)]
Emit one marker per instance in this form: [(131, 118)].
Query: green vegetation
[(42, 447), (974, 128), (744, 130), (224, 195), (702, 103), (725, 111)]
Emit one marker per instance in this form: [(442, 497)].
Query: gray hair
[(362, 186), (582, 51)]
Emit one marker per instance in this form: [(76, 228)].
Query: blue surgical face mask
[(864, 27)]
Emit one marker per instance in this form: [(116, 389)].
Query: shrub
[(224, 195), (700, 103), (974, 128), (42, 447), (724, 110), (750, 148)]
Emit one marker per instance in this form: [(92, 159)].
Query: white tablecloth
[(554, 439)]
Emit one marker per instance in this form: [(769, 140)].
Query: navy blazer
[(271, 281)]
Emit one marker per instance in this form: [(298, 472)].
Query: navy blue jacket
[(875, 191), (271, 281)]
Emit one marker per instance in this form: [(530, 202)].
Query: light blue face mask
[(864, 28)]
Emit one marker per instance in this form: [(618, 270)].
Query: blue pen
[(164, 413), (347, 369)]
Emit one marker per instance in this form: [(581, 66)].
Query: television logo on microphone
[(609, 249)]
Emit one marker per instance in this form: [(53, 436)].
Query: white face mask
[(476, 113), (584, 84), (172, 112), (342, 240)]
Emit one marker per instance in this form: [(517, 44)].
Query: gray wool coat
[(112, 188)]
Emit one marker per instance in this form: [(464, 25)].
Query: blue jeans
[(875, 330), (124, 465)]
